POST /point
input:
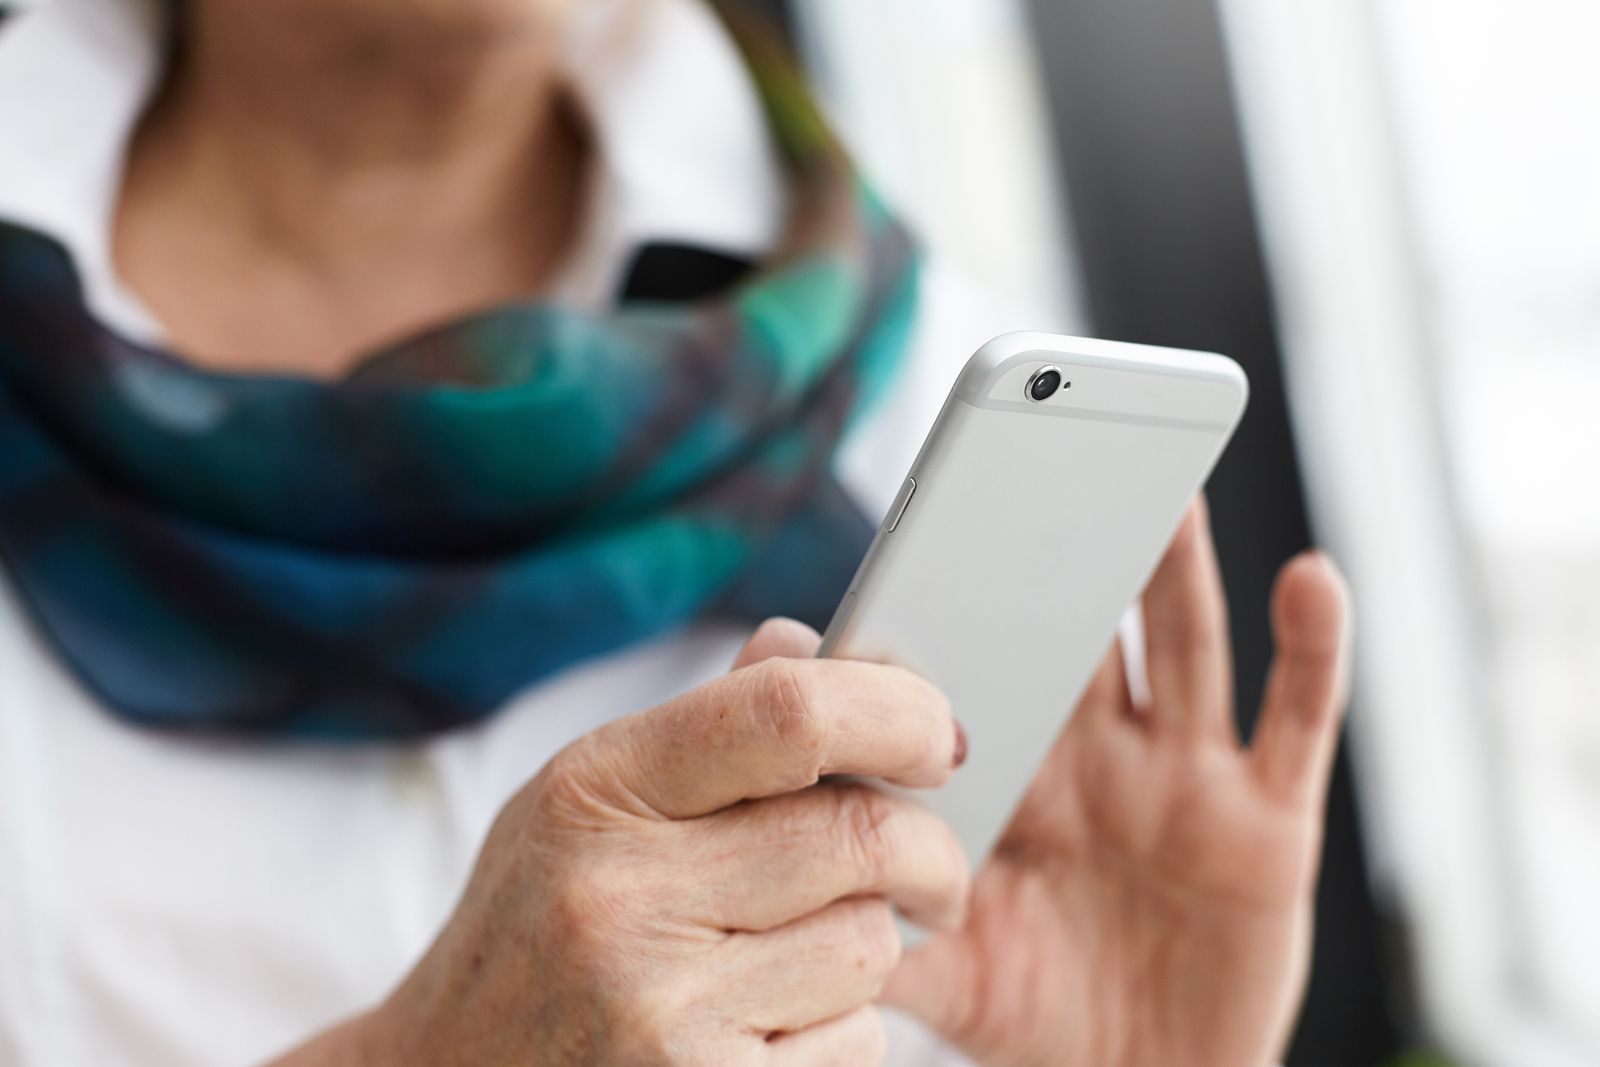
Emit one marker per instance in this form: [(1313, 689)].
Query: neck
[(334, 173), (311, 110)]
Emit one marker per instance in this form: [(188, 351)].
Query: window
[(940, 101), (1430, 187)]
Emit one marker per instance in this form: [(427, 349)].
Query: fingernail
[(960, 756)]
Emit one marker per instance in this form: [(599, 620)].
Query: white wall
[(942, 103), (1431, 196)]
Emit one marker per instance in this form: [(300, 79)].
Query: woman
[(399, 401)]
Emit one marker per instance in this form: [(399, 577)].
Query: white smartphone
[(1039, 506)]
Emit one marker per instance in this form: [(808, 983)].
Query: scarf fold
[(467, 512)]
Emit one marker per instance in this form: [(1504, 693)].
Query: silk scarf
[(467, 512)]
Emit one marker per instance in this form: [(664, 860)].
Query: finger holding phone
[(678, 888)]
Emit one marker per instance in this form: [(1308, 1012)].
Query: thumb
[(933, 982), (777, 638)]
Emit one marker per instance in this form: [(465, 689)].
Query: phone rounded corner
[(1221, 370), (1236, 377), (996, 356)]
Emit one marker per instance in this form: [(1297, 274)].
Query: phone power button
[(902, 501)]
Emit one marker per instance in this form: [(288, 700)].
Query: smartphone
[(1040, 504)]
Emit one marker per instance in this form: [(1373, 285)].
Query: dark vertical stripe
[(1160, 200), (779, 13)]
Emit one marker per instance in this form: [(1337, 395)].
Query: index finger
[(776, 727)]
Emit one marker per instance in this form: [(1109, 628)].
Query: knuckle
[(649, 1030), (789, 708), (570, 761), (590, 781), (869, 821), (587, 907), (876, 939), (562, 783), (531, 819)]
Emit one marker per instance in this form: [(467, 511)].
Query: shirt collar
[(74, 77), (685, 155)]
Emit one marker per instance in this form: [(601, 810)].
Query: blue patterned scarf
[(467, 512)]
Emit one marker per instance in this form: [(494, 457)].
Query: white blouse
[(173, 902)]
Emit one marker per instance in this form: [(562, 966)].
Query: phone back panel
[(1031, 528)]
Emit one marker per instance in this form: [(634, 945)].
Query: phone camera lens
[(1044, 383)]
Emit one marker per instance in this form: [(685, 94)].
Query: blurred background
[(1389, 212)]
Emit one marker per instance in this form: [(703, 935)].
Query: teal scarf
[(469, 511)]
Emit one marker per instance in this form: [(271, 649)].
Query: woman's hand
[(676, 888), (1150, 905)]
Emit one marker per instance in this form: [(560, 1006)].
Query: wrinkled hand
[(1150, 905), (678, 888)]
